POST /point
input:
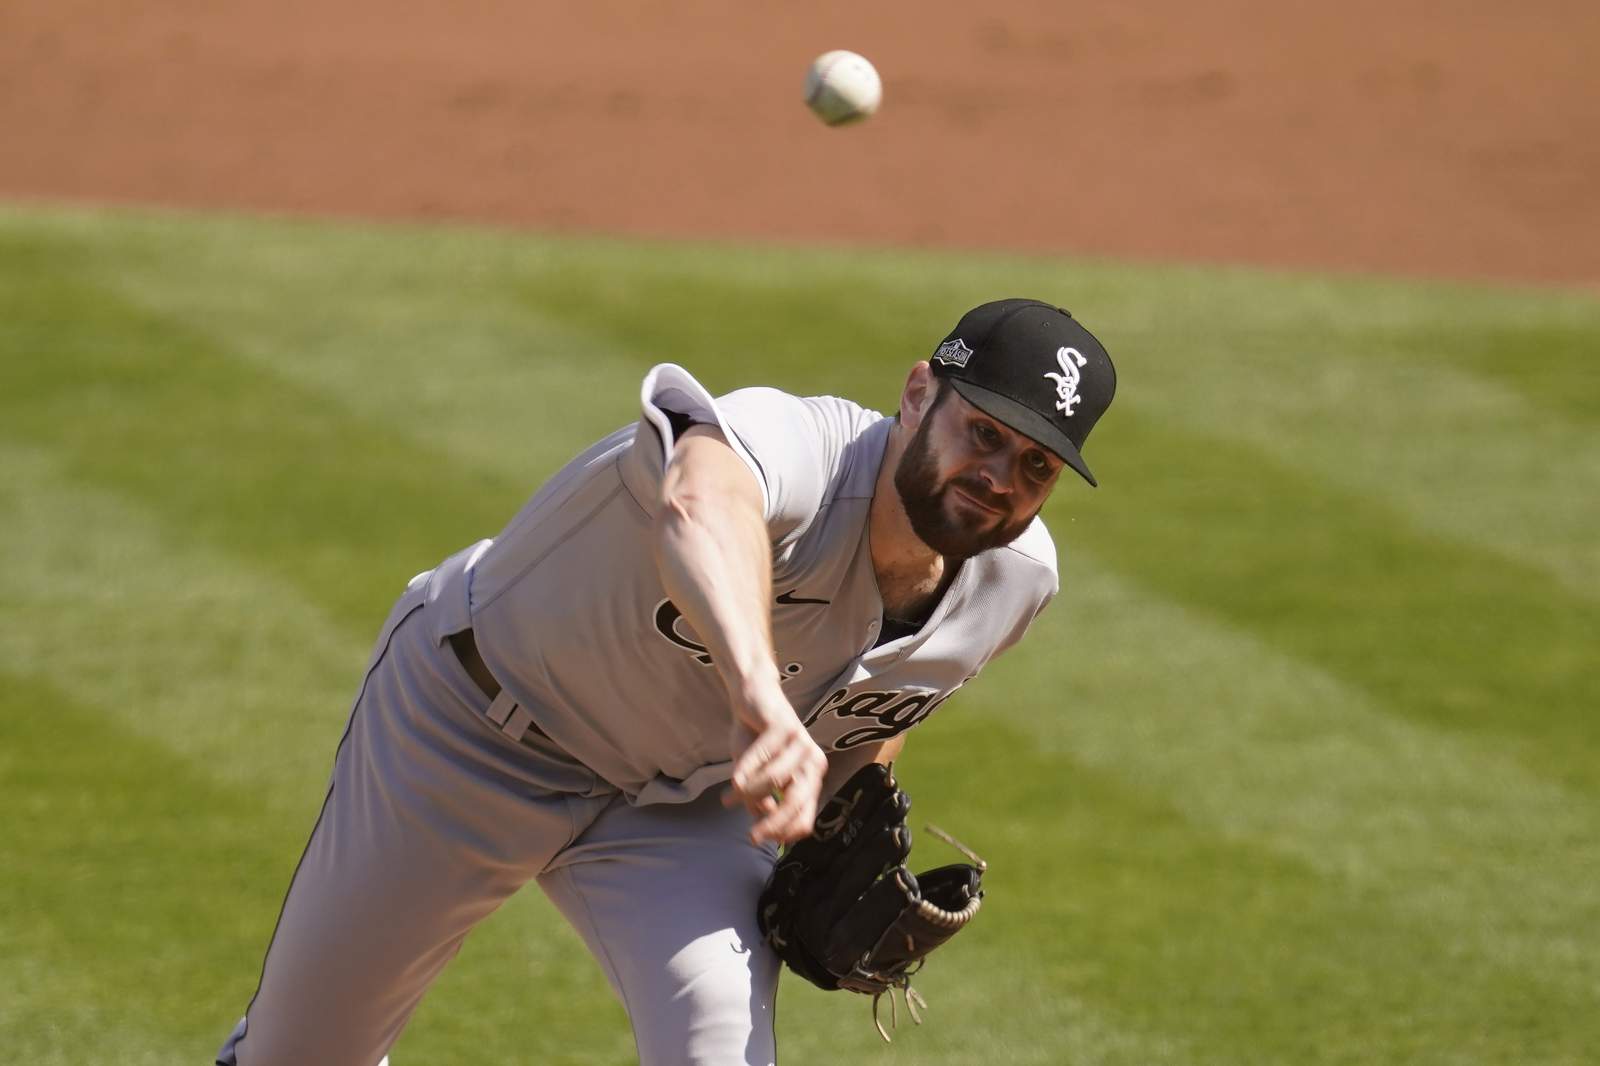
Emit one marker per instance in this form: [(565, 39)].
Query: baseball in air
[(842, 87)]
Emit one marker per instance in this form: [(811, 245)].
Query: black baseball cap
[(1034, 367)]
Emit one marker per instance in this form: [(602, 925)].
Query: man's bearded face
[(950, 504)]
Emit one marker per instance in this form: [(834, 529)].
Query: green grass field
[(1301, 768)]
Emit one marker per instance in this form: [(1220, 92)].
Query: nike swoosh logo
[(789, 599)]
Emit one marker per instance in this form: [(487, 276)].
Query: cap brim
[(1026, 421)]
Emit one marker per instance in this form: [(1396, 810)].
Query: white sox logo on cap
[(1067, 381)]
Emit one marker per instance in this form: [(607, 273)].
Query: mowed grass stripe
[(1546, 349), (1385, 410), (435, 338), (1535, 342), (289, 482), (1433, 629), (1208, 946), (1341, 377), (1252, 745), (138, 892), (228, 667)]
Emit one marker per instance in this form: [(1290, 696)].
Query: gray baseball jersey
[(571, 617)]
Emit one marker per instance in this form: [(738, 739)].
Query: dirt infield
[(1409, 136)]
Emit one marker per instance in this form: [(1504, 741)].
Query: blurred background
[(1301, 767), (1418, 136)]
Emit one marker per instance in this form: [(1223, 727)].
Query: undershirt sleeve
[(681, 422)]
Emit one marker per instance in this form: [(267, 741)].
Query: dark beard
[(916, 479)]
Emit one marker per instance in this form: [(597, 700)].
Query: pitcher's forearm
[(715, 560)]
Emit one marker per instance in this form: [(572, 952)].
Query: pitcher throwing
[(684, 643)]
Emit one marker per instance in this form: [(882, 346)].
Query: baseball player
[(682, 644)]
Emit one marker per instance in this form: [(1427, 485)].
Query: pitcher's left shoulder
[(1035, 546)]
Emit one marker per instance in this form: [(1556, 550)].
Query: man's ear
[(918, 395)]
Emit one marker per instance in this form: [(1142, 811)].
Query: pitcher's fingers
[(747, 763), (775, 756), (793, 820), (777, 771), (748, 760), (795, 816)]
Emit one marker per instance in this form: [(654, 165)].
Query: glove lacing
[(915, 1004)]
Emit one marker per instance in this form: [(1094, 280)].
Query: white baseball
[(842, 87)]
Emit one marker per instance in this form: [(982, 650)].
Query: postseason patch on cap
[(953, 353)]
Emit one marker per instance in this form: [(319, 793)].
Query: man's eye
[(986, 435), (1038, 467)]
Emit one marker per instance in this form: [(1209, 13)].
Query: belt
[(513, 719)]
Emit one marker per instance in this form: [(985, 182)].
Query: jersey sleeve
[(776, 435), (1033, 570), (792, 449)]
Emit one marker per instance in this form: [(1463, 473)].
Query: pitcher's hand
[(777, 767)]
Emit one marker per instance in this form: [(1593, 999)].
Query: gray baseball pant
[(435, 817)]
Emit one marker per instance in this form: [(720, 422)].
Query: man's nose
[(997, 473)]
